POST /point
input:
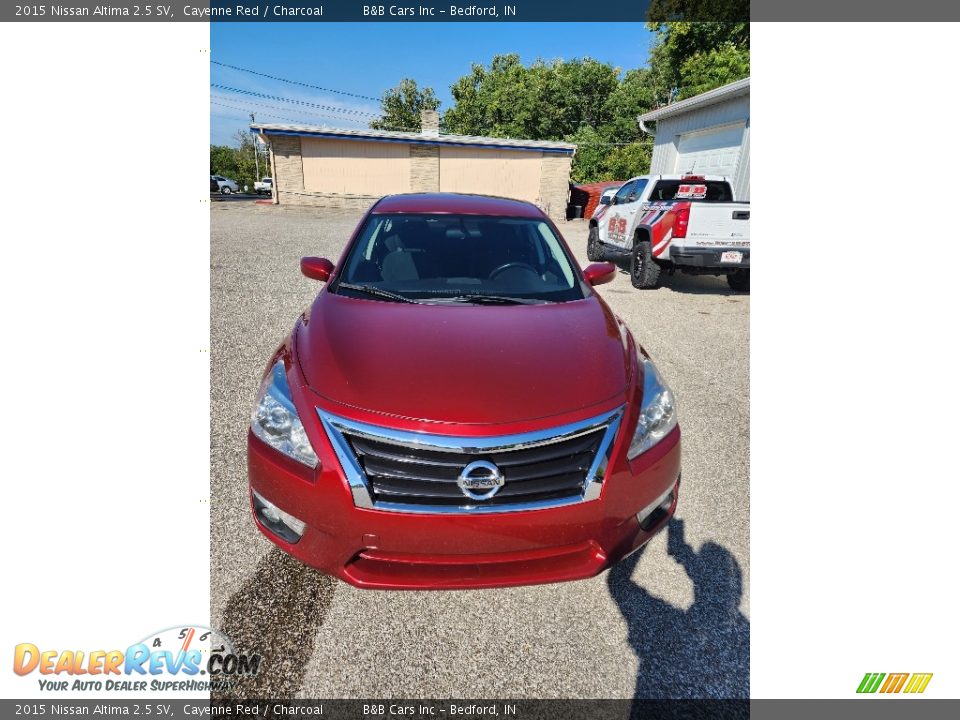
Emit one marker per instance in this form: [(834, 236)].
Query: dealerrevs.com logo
[(911, 683), (190, 658)]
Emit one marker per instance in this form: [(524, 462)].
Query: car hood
[(463, 363)]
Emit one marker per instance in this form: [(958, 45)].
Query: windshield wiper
[(377, 292), (480, 299)]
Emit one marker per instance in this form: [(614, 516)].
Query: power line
[(346, 111), (294, 82), (274, 107), (244, 110), (292, 120), (247, 109)]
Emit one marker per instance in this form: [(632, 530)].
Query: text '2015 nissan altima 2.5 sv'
[(459, 409)]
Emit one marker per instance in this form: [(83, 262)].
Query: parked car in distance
[(459, 408), (214, 185), (264, 186), (225, 185), (688, 223)]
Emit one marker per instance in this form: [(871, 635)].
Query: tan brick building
[(353, 168)]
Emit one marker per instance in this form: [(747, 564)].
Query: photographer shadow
[(276, 614), (702, 652)]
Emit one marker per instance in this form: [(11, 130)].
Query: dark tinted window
[(440, 257), (709, 190)]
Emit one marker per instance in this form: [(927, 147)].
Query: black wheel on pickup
[(594, 247), (644, 271), (739, 280)]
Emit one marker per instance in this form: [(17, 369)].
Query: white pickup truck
[(263, 186), (689, 223)]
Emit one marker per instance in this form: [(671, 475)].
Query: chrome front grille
[(419, 472)]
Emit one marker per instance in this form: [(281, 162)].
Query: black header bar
[(491, 11)]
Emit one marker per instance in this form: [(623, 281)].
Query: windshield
[(458, 258)]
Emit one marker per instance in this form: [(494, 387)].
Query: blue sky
[(367, 58)]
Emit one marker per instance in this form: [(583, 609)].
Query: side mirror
[(606, 199), (316, 268), (600, 273)]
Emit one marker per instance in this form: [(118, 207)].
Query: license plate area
[(731, 256)]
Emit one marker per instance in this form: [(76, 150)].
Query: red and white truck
[(688, 223)]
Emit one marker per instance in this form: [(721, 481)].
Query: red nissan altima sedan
[(460, 409)]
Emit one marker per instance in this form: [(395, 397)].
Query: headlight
[(275, 419), (658, 411)]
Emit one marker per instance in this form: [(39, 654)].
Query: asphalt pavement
[(661, 624)]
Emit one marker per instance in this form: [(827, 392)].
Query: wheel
[(739, 280), (595, 251), (225, 190), (644, 271)]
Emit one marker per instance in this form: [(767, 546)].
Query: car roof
[(456, 204)]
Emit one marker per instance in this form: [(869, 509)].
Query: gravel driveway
[(671, 621)]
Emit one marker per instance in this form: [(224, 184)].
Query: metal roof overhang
[(418, 139), (726, 92)]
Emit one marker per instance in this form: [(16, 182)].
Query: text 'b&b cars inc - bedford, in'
[(675, 222)]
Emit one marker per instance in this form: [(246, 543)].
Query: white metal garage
[(710, 152), (707, 134)]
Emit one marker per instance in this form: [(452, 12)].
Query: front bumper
[(372, 548)]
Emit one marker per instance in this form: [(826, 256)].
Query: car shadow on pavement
[(702, 652), (691, 284), (276, 614)]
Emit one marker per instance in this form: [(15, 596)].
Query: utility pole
[(256, 149)]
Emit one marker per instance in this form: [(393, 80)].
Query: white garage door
[(710, 152)]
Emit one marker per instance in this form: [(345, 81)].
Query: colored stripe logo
[(913, 683)]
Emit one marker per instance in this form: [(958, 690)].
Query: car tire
[(225, 190), (644, 271), (595, 251), (739, 280)]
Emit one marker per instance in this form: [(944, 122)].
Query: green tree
[(625, 161), (402, 104), (581, 100), (590, 160), (708, 70), (223, 160), (497, 101), (547, 100), (238, 163), (682, 45), (633, 96)]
